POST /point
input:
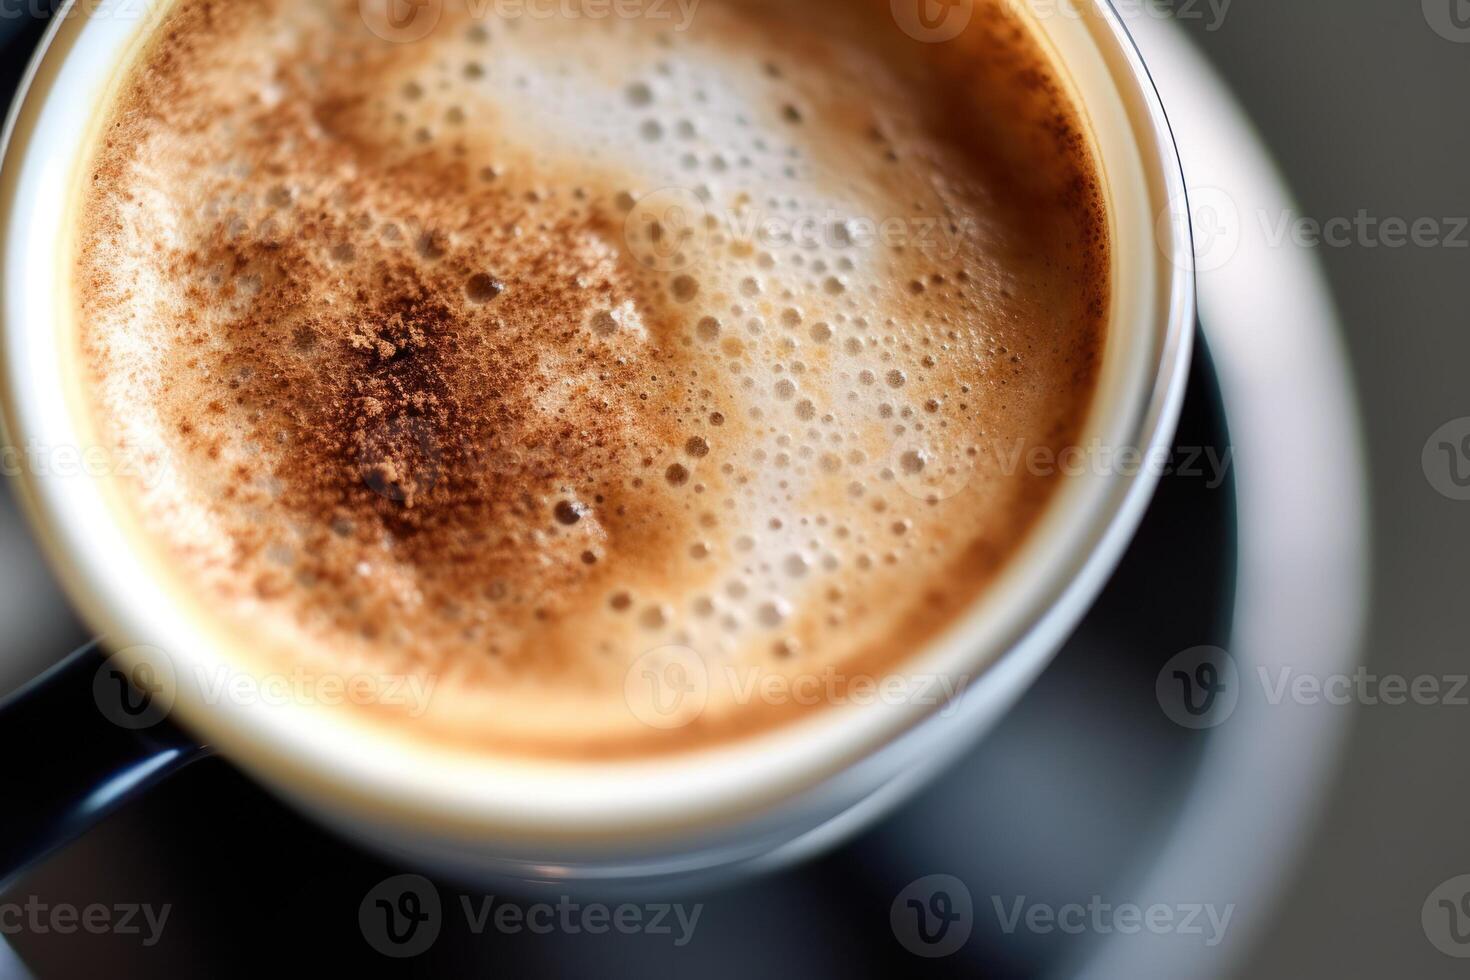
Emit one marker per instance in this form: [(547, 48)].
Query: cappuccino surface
[(554, 352)]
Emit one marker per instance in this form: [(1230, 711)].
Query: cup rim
[(404, 795)]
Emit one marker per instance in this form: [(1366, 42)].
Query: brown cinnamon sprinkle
[(445, 420), (399, 390)]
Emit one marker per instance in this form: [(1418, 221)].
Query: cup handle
[(71, 755)]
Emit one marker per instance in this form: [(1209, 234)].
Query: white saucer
[(1300, 482)]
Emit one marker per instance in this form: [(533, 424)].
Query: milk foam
[(525, 353)]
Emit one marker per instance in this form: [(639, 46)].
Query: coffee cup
[(747, 805)]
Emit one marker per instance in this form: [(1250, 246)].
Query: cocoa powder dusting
[(410, 407), (434, 392)]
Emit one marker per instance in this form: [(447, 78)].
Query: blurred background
[(1329, 834), (1362, 104)]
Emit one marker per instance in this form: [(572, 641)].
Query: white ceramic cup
[(752, 804)]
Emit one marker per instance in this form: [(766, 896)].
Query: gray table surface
[(1363, 103)]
